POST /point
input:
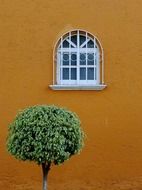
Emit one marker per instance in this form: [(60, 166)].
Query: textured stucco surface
[(112, 157)]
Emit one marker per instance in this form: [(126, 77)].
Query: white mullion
[(95, 72), (91, 66), (61, 61), (70, 42), (81, 50), (86, 57), (78, 57), (98, 67), (67, 50), (102, 56), (58, 67), (69, 57), (85, 43)]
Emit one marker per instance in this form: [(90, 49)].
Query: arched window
[(78, 60)]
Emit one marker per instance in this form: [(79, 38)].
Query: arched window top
[(78, 62), (78, 39)]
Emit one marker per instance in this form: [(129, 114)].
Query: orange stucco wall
[(112, 157)]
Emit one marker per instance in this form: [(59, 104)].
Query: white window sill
[(78, 87)]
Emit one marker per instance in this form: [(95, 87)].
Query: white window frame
[(58, 82)]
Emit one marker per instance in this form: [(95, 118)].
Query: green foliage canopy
[(45, 134)]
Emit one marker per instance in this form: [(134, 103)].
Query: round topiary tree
[(45, 134)]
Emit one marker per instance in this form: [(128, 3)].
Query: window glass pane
[(82, 39), (90, 59), (65, 44), (73, 73), (65, 58), (74, 39), (82, 73), (82, 58), (90, 44), (65, 73), (90, 73), (73, 59)]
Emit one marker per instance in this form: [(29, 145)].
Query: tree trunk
[(45, 171)]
